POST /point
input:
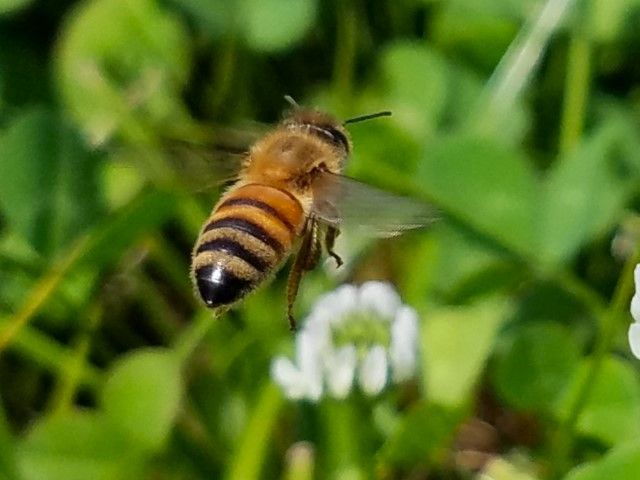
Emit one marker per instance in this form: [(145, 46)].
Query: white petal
[(285, 374), (380, 298), (345, 302), (340, 367), (333, 307), (634, 339), (635, 307), (309, 362), (373, 371), (403, 350), (635, 301), (321, 313)]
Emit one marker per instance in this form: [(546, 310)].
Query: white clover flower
[(634, 328), (354, 335)]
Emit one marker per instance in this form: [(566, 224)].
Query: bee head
[(324, 125), (321, 125)]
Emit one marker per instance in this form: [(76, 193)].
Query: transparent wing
[(341, 200), (200, 169), (197, 158), (211, 156)]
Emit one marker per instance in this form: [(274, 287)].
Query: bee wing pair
[(340, 200)]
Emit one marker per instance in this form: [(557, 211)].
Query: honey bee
[(290, 197)]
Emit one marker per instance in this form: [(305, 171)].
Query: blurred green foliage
[(109, 367)]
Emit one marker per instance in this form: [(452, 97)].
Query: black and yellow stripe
[(248, 235)]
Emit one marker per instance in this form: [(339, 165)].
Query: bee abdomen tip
[(217, 286)]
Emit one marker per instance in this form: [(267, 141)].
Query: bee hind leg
[(329, 241), (306, 259)]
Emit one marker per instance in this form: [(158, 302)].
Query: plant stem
[(346, 48), (300, 462), (343, 437), (583, 292), (607, 326), (224, 73), (576, 90)]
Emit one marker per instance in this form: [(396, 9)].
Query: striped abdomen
[(249, 233)]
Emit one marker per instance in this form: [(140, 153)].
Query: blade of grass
[(171, 263), (43, 289), (93, 250), (193, 335), (51, 356), (161, 316), (520, 61), (249, 456), (65, 391)]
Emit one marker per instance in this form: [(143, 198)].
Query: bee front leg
[(306, 259), (329, 241)]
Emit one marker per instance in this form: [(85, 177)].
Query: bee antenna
[(362, 118), (289, 99)]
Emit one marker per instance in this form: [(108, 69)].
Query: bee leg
[(306, 259), (329, 241), (293, 282), (315, 247)]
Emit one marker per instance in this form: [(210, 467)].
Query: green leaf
[(585, 193), (465, 91), (48, 181), (488, 187), (463, 261), (121, 66), (534, 365), (422, 436), (9, 6), (480, 30), (612, 412), (142, 395), (455, 345), (273, 25), (621, 463), (76, 445), (417, 95), (385, 155), (215, 17), (121, 183), (608, 19)]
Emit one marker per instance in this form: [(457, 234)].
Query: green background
[(120, 118)]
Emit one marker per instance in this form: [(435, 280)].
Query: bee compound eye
[(339, 138)]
